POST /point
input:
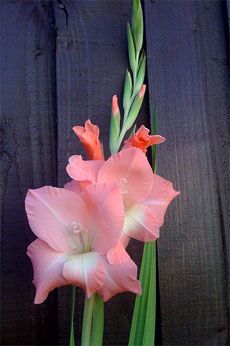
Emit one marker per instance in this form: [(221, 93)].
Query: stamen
[(77, 227), (123, 184)]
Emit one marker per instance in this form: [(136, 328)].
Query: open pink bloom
[(75, 233), (142, 140), (146, 195), (89, 137)]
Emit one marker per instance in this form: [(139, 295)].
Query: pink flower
[(75, 233), (89, 137), (142, 140), (146, 195)]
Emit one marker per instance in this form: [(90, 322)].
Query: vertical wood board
[(188, 79), (27, 161)]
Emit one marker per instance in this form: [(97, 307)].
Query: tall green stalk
[(93, 321), (87, 321)]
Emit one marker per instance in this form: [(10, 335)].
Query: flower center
[(82, 237), (123, 185)]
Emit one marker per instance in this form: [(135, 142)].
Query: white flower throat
[(83, 245), (123, 185)]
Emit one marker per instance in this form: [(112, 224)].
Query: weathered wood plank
[(188, 80), (91, 63), (28, 161)]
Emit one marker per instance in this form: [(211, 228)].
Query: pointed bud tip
[(115, 107), (142, 91)]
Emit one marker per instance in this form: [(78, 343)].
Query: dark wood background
[(61, 63)]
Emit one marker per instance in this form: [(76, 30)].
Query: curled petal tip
[(89, 137)]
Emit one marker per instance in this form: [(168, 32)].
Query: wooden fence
[(61, 63)]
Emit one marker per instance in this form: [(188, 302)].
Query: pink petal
[(81, 170), (161, 195), (105, 215), (73, 186), (85, 270), (53, 214), (117, 254), (141, 223), (131, 170), (120, 278), (47, 266), (157, 139)]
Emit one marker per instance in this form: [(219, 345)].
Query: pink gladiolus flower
[(146, 195), (89, 137), (75, 233), (142, 140)]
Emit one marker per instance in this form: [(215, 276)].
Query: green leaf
[(131, 49), (140, 74), (154, 125), (127, 90), (137, 25), (143, 324), (72, 341)]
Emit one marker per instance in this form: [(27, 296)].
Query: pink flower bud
[(89, 137), (142, 91), (115, 108)]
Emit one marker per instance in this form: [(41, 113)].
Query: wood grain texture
[(27, 161), (71, 56), (91, 63), (188, 80)]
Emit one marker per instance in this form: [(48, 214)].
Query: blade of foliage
[(144, 316), (72, 341), (154, 126)]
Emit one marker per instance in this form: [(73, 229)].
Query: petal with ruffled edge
[(53, 214), (47, 266), (82, 170), (105, 215), (131, 170), (120, 278), (85, 270), (161, 195), (141, 223)]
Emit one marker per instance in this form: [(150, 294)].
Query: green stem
[(87, 321), (98, 322), (72, 342)]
